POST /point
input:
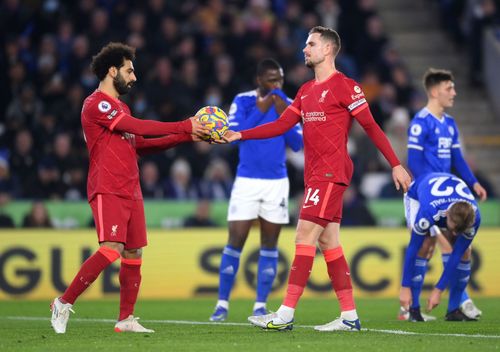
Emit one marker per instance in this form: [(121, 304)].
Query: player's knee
[(117, 246), (468, 254), (132, 253)]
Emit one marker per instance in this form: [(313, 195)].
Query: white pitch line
[(189, 322)]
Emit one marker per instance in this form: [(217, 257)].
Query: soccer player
[(327, 106), (443, 200), (261, 187), (114, 140), (434, 146)]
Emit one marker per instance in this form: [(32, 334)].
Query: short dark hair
[(113, 54), (433, 77), (267, 64), (328, 34), (463, 216)]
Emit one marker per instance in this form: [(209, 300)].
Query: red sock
[(89, 271), (130, 280), (340, 276), (299, 273)]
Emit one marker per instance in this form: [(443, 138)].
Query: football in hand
[(216, 119)]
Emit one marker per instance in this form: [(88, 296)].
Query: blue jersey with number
[(434, 146), (436, 192), (263, 158)]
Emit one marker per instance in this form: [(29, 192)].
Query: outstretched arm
[(466, 173), (127, 123), (287, 120), (146, 146)]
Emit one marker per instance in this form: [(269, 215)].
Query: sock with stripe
[(266, 272), (340, 276), (458, 282), (417, 281), (465, 296), (130, 281), (89, 271), (229, 264), (299, 273)]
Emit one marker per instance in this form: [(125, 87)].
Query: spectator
[(150, 181), (180, 185), (201, 217), (37, 217)]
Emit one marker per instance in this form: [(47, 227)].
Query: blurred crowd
[(465, 22), (190, 53)]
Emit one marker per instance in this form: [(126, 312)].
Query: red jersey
[(327, 109), (113, 165)]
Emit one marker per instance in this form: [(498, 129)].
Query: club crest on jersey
[(451, 130), (323, 95), (104, 106)]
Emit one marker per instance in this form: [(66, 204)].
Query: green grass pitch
[(182, 325)]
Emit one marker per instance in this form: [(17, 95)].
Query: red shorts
[(119, 220), (322, 202)]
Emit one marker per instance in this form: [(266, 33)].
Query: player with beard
[(115, 140), (327, 106)]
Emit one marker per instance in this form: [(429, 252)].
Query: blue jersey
[(434, 146), (436, 192), (263, 158)]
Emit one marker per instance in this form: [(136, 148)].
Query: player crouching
[(442, 200)]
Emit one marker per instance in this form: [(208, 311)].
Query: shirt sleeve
[(289, 118), (352, 97), (146, 146), (109, 115), (296, 105), (105, 113), (417, 133), (373, 130)]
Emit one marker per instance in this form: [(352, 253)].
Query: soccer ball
[(216, 120)]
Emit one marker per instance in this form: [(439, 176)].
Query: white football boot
[(270, 322), (130, 324), (60, 315), (340, 324), (470, 310)]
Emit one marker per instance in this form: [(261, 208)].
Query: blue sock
[(444, 258), (268, 265), (227, 272), (419, 270), (465, 296), (458, 282)]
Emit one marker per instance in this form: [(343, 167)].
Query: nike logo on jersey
[(303, 96), (307, 206)]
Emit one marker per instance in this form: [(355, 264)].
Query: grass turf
[(25, 326)]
